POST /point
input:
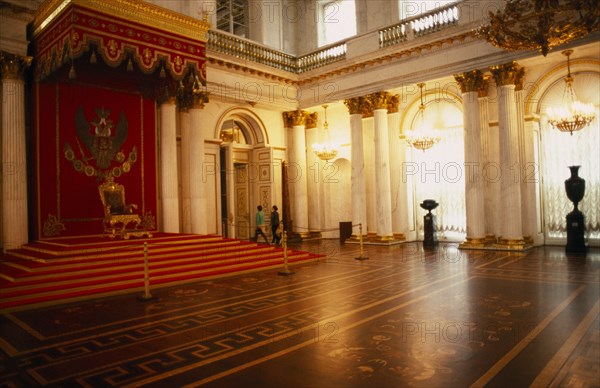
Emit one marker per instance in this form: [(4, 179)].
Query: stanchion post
[(285, 270), (147, 295), (360, 240)]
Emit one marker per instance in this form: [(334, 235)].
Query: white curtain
[(561, 150), (439, 173)]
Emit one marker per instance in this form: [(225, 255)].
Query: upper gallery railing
[(411, 28), (420, 25), (245, 49)]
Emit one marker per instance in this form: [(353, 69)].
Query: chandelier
[(326, 150), (421, 138), (540, 24), (572, 115)]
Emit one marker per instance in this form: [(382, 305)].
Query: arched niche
[(249, 126)]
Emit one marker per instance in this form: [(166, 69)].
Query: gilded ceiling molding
[(508, 74), (130, 10), (13, 66), (246, 69), (295, 118)]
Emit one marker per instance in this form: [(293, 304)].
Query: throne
[(118, 214)]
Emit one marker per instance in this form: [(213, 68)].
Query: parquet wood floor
[(404, 317)]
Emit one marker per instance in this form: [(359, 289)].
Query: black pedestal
[(430, 239), (575, 232)]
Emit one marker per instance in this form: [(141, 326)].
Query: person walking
[(275, 226), (260, 224)]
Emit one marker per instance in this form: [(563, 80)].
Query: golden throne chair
[(118, 214)]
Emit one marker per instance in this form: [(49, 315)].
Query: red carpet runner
[(69, 269)]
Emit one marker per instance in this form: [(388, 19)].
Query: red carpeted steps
[(74, 268)]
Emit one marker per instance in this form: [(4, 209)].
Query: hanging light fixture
[(572, 115), (326, 150), (420, 137), (540, 24)]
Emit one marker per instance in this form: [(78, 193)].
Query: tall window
[(232, 17), (336, 20), (410, 8)]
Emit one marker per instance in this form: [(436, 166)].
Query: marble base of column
[(490, 239), (474, 243), (512, 244), (315, 235), (400, 236)]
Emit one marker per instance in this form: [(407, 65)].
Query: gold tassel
[(72, 74), (93, 59)]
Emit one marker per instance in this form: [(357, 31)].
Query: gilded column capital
[(393, 103), (470, 81), (508, 74), (295, 118), (379, 100), (13, 66), (483, 88), (366, 107), (354, 105), (312, 120)]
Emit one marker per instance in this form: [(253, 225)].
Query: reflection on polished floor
[(404, 317)]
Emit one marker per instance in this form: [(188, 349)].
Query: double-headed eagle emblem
[(102, 142)]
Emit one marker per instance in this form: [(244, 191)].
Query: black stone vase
[(430, 238), (575, 188)]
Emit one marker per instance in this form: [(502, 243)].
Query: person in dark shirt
[(275, 226)]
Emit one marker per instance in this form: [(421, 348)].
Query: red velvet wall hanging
[(87, 133)]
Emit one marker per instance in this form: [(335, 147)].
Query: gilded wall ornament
[(103, 146)]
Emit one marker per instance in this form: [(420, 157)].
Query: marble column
[(196, 148), (529, 173), (491, 184), (297, 171), (399, 193), (368, 133), (359, 194), (14, 151), (184, 130), (169, 187), (383, 198), (470, 83), (511, 232), (314, 178)]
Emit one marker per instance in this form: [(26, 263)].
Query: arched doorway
[(246, 172)]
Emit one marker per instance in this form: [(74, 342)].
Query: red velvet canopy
[(100, 66)]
